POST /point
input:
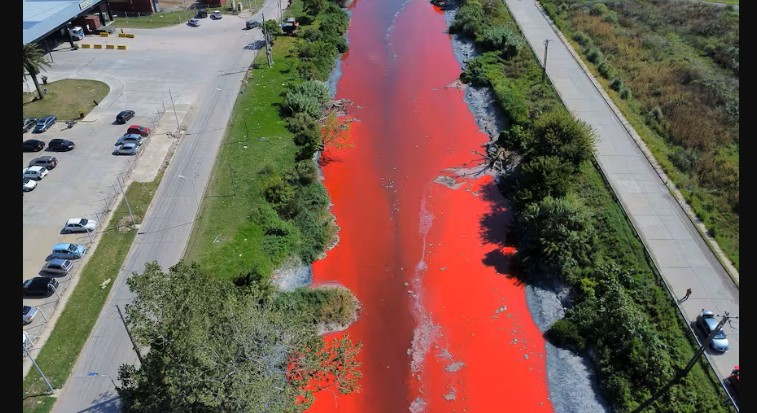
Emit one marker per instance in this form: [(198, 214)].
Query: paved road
[(203, 69), (672, 239)]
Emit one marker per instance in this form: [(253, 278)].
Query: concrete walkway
[(683, 257)]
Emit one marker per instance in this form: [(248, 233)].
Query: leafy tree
[(558, 133), (214, 347), (554, 235), (34, 62), (541, 177), (313, 7)]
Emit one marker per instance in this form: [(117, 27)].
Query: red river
[(444, 327)]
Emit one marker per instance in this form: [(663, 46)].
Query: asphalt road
[(189, 78)]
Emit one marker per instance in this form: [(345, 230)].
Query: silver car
[(707, 322), (126, 149), (57, 266)]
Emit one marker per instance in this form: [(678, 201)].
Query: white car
[(126, 149), (79, 225), (35, 172), (29, 184), (29, 313)]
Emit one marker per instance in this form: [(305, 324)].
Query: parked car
[(193, 23), (735, 381), (57, 267), (139, 130), (79, 225), (41, 285), (44, 124), (33, 145), (707, 322), (30, 312), (201, 14), (68, 251), (35, 172), (61, 145), (216, 15), (29, 184), (29, 123), (49, 162), (252, 24), (126, 149), (124, 116), (130, 138)]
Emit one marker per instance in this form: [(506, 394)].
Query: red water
[(444, 328)]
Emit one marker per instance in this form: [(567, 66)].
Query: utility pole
[(133, 222), (26, 350), (681, 374), (544, 69), (174, 111), (267, 43)]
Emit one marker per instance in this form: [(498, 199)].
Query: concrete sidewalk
[(665, 224)]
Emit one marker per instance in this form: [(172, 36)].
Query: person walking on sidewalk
[(686, 296)]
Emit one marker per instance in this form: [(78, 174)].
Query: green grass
[(60, 352), (224, 240), (171, 18), (65, 98)]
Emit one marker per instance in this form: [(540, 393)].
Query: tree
[(216, 347), (335, 125), (554, 235), (34, 62), (558, 133), (313, 7)]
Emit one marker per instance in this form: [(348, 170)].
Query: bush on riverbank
[(619, 310)]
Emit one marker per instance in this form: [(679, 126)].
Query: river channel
[(444, 326)]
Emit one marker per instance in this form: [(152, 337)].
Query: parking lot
[(163, 74)]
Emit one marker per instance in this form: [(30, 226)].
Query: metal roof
[(44, 16)]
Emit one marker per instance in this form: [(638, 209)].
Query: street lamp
[(194, 192), (96, 374)]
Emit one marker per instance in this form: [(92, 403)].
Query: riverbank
[(571, 380)]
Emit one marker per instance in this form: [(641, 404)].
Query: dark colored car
[(42, 285), (124, 116), (252, 24), (49, 162), (33, 145), (201, 14), (61, 145), (29, 123), (707, 322), (44, 124)]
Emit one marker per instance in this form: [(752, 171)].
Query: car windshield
[(83, 221), (719, 335)]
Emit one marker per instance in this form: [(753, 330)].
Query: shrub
[(684, 159), (582, 39), (616, 84), (300, 122), (605, 69), (598, 9), (625, 93), (308, 97), (563, 333), (594, 55)]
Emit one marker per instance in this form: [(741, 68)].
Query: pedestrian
[(686, 296)]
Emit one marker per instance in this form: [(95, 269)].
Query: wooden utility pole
[(681, 374), (544, 69)]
